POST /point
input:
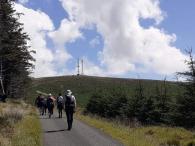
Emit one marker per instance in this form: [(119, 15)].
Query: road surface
[(55, 133)]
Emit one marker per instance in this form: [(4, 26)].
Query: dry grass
[(17, 120), (142, 136)]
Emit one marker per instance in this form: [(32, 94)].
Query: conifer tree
[(15, 56), (185, 113)]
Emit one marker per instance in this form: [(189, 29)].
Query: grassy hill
[(84, 86)]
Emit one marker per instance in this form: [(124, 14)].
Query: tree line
[(155, 109), (16, 61)]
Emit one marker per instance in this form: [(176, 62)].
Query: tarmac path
[(55, 133)]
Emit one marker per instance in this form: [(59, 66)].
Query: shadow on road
[(52, 131), (51, 118)]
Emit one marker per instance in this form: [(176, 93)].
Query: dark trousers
[(69, 116), (50, 110), (60, 108), (44, 110)]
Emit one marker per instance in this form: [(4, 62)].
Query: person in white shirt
[(70, 108)]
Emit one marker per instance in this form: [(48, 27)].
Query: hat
[(69, 92)]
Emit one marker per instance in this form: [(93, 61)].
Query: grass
[(27, 132), (142, 136), (19, 125), (84, 86)]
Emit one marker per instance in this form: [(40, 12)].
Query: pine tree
[(15, 56), (137, 103), (185, 112)]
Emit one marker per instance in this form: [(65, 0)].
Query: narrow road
[(55, 134)]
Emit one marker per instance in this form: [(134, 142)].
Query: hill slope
[(84, 86)]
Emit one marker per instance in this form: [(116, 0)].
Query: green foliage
[(15, 57), (158, 108), (84, 87), (118, 104), (185, 109)]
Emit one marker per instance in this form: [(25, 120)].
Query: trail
[(55, 133)]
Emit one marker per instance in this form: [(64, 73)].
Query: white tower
[(82, 67), (78, 66)]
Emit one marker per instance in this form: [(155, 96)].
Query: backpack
[(50, 102), (44, 101), (69, 101), (60, 100)]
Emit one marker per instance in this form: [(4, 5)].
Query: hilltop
[(84, 86)]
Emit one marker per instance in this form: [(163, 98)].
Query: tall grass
[(28, 131), (19, 125), (142, 136)]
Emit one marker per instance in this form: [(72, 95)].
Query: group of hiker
[(67, 102)]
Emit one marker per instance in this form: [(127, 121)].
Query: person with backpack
[(60, 104), (50, 105), (70, 106)]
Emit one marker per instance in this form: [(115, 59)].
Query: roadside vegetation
[(156, 109), (19, 125), (143, 119), (138, 135)]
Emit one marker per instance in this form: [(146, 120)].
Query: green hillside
[(84, 86)]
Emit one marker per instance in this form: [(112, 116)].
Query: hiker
[(38, 103), (44, 106), (60, 104), (70, 106), (50, 105)]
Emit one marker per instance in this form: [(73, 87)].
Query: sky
[(116, 38)]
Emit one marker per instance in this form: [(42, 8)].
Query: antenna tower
[(82, 67), (78, 66)]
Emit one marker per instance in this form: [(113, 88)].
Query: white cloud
[(94, 42), (67, 32), (92, 69), (126, 42), (23, 1), (37, 25)]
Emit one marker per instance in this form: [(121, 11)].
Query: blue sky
[(93, 41)]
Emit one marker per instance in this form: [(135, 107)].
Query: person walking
[(60, 104), (70, 108), (44, 106), (50, 105), (38, 103)]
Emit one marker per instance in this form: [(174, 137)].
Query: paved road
[(55, 134)]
